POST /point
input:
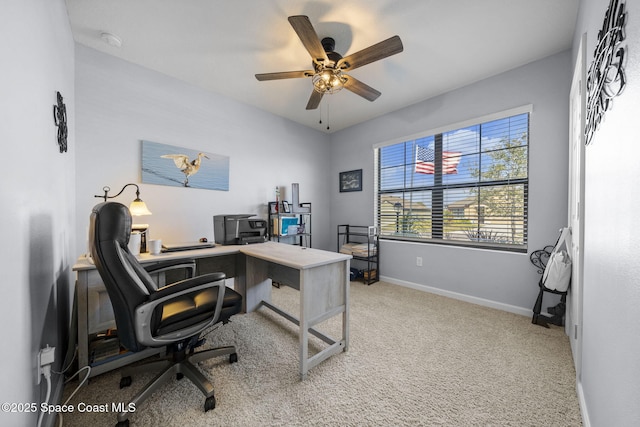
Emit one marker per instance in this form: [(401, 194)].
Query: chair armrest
[(185, 286), (174, 264), (144, 312)]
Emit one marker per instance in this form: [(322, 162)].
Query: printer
[(239, 229)]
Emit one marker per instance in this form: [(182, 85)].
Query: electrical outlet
[(46, 356), (419, 261)]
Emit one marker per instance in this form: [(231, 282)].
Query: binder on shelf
[(285, 223)]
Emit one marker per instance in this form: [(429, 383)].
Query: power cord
[(84, 380), (64, 371), (46, 371)]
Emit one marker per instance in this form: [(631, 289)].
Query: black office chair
[(172, 316)]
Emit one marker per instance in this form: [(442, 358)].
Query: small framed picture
[(351, 181), (285, 207), (273, 207)]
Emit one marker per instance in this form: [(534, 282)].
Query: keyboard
[(188, 246)]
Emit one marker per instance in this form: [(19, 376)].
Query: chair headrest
[(113, 221)]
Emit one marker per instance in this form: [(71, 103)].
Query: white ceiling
[(219, 45)]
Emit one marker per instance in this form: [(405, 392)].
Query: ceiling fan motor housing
[(328, 43)]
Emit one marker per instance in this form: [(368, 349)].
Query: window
[(467, 186)]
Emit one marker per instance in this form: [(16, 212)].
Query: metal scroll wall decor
[(606, 78), (60, 119)]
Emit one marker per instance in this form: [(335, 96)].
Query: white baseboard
[(462, 297), (583, 405)]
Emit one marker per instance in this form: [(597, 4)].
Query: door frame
[(575, 211)]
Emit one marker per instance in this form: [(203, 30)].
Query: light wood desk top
[(84, 263), (284, 254), (298, 257)]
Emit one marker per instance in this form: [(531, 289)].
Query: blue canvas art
[(181, 167)]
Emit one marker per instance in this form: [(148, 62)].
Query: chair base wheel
[(209, 403), (125, 382), (233, 357), (124, 423)]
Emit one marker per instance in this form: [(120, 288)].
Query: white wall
[(119, 104), (609, 386), (500, 279), (37, 222)]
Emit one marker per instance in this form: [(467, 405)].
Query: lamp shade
[(138, 208)]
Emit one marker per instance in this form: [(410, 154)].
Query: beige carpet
[(415, 359)]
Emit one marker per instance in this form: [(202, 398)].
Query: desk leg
[(253, 283), (346, 283), (303, 331), (324, 293)]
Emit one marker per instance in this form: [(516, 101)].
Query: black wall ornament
[(60, 120), (606, 77)]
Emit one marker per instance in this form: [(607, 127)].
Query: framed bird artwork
[(183, 167)]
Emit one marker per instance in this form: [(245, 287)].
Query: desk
[(321, 277), (323, 281)]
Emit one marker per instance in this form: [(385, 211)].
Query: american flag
[(425, 158)]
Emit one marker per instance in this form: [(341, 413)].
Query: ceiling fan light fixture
[(328, 81)]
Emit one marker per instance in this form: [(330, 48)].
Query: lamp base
[(144, 230)]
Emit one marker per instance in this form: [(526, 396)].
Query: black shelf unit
[(361, 242), (302, 216)]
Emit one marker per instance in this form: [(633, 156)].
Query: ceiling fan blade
[(308, 37), (359, 88), (378, 51), (314, 100), (284, 75)]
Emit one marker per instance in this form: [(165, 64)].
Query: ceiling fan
[(328, 74)]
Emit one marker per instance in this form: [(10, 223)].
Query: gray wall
[(37, 192), (499, 279), (119, 104), (608, 385)]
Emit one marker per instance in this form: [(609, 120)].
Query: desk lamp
[(137, 208)]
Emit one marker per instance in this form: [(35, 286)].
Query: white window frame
[(526, 109)]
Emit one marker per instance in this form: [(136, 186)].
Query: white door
[(576, 203)]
